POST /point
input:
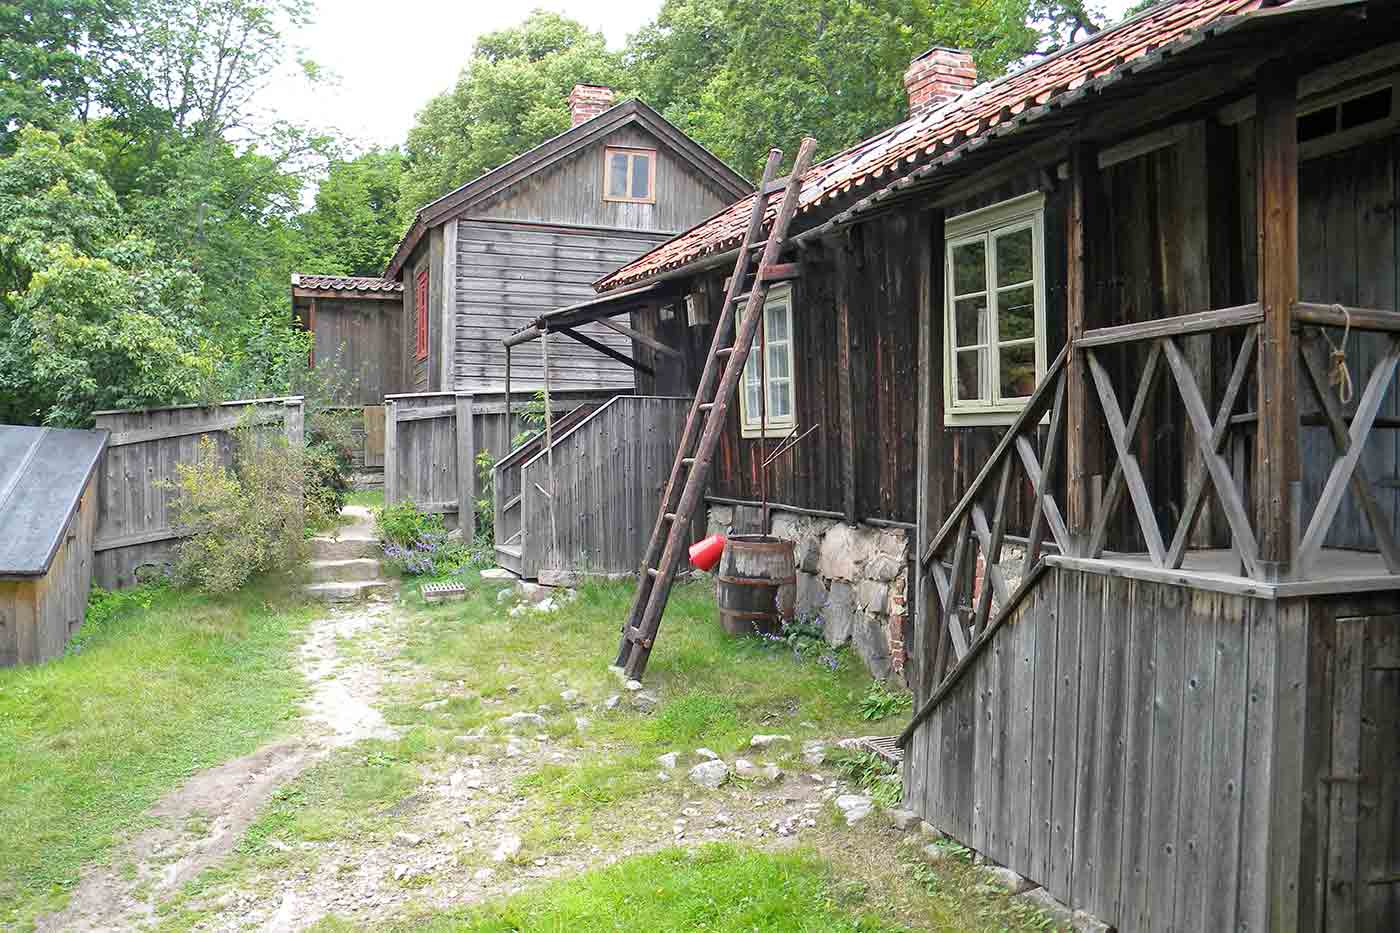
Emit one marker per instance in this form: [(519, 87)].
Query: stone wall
[(853, 578)]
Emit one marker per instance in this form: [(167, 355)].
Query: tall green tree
[(512, 94), (355, 222), (744, 75), (92, 314)]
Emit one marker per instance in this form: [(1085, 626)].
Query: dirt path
[(201, 822)]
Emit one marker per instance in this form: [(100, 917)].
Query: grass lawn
[(158, 684), (718, 888), (369, 498)]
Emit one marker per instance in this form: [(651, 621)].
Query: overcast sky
[(392, 57)]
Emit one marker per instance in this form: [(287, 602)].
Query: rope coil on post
[(1338, 374)]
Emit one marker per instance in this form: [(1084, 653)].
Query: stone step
[(358, 569), (348, 591), (343, 548)]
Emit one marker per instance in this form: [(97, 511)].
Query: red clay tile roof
[(975, 113), (345, 283)]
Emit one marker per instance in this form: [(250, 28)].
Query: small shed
[(48, 515)]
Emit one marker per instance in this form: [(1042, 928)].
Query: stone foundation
[(852, 578)]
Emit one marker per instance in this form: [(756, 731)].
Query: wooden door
[(374, 435)]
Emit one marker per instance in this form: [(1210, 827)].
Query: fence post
[(294, 427), (466, 466), (391, 452)]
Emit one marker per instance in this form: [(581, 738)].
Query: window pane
[(617, 175), (970, 321), (777, 321), (641, 176), (779, 399), (1015, 257), (777, 360), (969, 383), (970, 268), (1016, 313), (1017, 371)]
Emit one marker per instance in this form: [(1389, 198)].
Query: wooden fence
[(427, 435), (604, 482), (137, 476)]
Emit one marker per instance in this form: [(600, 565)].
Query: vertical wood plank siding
[(508, 274), (1134, 796), (423, 457), (609, 471), (135, 482), (357, 345), (41, 614)]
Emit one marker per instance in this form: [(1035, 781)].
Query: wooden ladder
[(686, 485)]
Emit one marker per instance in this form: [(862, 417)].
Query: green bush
[(414, 542), (327, 477), (240, 521), (880, 702)]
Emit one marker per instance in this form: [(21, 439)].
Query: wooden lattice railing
[(950, 561), (965, 625)]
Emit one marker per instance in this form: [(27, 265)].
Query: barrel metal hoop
[(757, 581)]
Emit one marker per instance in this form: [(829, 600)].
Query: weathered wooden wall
[(608, 475), (41, 614), (357, 347), (135, 485), (571, 192), (1144, 751), (510, 273), (422, 443)]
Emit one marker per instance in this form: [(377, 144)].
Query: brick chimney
[(586, 101), (936, 77)]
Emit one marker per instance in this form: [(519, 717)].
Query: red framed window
[(420, 305)]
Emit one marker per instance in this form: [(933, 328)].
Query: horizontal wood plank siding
[(508, 274), (571, 192)]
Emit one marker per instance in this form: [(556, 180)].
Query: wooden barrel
[(757, 588)]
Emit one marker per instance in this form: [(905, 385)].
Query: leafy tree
[(50, 69), (94, 316), (355, 222), (512, 94), (744, 75)]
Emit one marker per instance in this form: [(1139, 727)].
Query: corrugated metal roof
[(43, 472), (985, 109), (345, 283)]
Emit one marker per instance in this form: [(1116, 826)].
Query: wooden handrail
[(1199, 323), (1372, 319)]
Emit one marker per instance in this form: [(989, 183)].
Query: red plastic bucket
[(705, 554)]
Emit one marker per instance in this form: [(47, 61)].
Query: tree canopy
[(151, 213)]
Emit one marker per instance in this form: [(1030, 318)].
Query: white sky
[(391, 58)]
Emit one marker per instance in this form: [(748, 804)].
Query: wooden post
[(928, 627), (391, 452), (294, 426), (466, 467), (843, 380), (1084, 437), (1276, 444), (553, 561), (510, 416)]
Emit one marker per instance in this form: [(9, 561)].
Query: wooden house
[(48, 516), (355, 323), (1101, 358), (535, 233)]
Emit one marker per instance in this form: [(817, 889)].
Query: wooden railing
[(1209, 433), (950, 557)]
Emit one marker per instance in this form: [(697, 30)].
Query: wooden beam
[(645, 340), (1127, 459), (1277, 473), (843, 381), (606, 350), (1084, 459), (1372, 319)]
